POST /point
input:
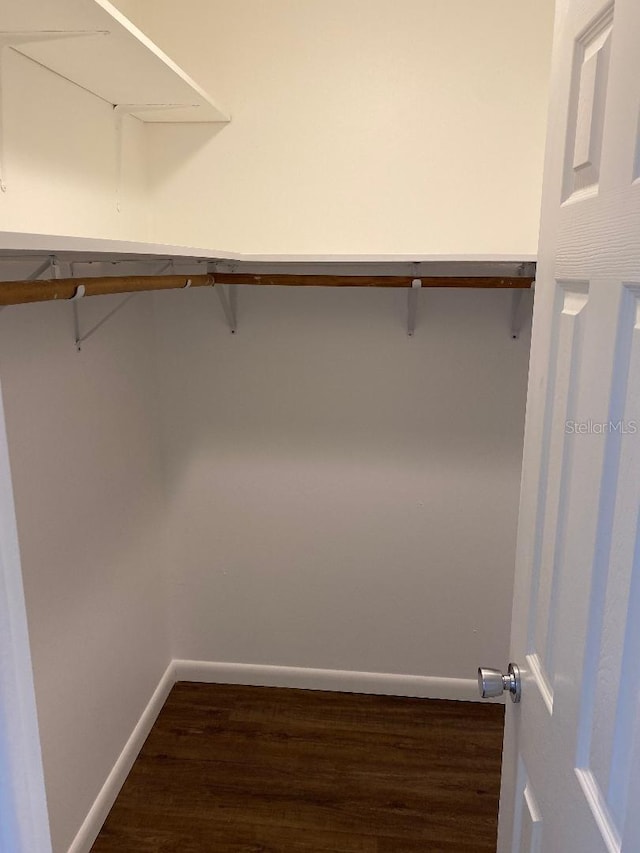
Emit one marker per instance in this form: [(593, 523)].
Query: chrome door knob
[(491, 682)]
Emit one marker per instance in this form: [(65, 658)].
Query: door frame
[(24, 821)]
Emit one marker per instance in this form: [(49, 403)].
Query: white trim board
[(45, 244), (23, 241), (344, 681), (258, 675), (24, 823), (103, 803)]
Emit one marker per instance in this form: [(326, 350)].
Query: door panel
[(587, 106), (528, 820), (564, 368), (571, 781), (610, 682)]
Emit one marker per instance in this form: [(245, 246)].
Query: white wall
[(85, 464), (60, 157), (363, 126), (359, 126), (340, 495)]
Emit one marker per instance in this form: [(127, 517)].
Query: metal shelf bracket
[(412, 305), (81, 338), (229, 301), (519, 308), (49, 264)]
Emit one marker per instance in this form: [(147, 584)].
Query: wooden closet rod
[(374, 280), (20, 292)]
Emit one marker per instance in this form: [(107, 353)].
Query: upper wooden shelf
[(16, 245), (118, 63)]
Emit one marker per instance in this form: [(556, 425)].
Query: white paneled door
[(571, 781)]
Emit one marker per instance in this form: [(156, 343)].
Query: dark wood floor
[(261, 770)]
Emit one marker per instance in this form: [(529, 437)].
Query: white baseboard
[(423, 686), (92, 824)]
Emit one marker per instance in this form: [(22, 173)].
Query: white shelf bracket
[(518, 312), (14, 39), (119, 112), (229, 301), (412, 305), (80, 338), (80, 290), (49, 264)]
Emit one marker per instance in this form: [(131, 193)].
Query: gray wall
[(86, 473), (341, 495)]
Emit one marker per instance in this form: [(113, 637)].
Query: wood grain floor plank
[(260, 770)]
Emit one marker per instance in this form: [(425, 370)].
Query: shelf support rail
[(13, 39)]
